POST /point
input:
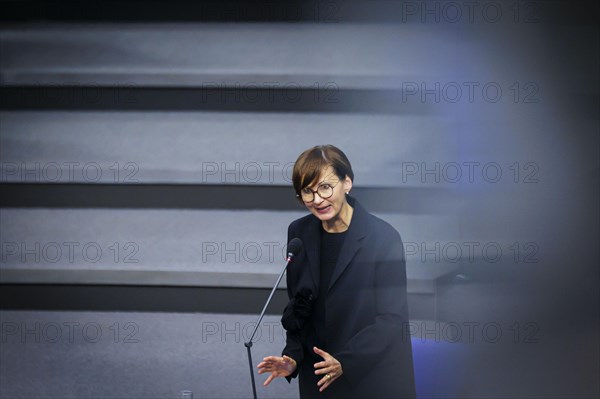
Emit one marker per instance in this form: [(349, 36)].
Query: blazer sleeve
[(293, 347), (370, 344)]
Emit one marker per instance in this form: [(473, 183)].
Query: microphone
[(293, 248)]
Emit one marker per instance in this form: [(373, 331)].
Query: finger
[(326, 385), (268, 380), (266, 369), (325, 370), (263, 364), (323, 380), (322, 353), (269, 363), (321, 364)]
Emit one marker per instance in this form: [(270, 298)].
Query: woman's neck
[(341, 222)]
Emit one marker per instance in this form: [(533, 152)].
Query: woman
[(346, 321)]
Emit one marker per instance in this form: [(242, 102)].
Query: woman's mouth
[(323, 209)]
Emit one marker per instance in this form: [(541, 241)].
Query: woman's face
[(329, 208)]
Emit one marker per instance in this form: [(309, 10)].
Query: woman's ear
[(347, 184)]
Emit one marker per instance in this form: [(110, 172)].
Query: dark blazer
[(366, 307)]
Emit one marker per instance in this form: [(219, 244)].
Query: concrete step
[(213, 55), (221, 148), (180, 247)]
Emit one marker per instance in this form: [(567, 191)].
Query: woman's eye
[(326, 186), (305, 191)]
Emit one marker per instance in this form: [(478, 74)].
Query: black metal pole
[(248, 344)]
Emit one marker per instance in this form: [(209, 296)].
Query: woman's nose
[(317, 200)]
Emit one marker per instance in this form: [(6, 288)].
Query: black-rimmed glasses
[(324, 190)]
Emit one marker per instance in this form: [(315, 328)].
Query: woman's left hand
[(330, 367)]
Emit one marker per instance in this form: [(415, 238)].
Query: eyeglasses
[(324, 190)]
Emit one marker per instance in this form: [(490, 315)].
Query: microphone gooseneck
[(293, 248)]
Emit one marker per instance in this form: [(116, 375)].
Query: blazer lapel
[(352, 243)]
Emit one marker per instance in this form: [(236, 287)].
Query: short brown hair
[(310, 164)]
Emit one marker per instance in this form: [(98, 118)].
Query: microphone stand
[(248, 344)]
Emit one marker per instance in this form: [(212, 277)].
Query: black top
[(331, 245)]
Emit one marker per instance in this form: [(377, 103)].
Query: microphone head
[(294, 247)]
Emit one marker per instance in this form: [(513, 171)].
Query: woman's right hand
[(278, 367)]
